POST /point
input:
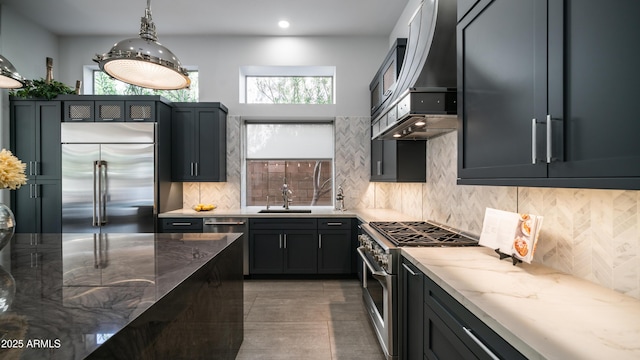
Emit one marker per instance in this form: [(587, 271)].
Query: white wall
[(219, 58), (401, 30)]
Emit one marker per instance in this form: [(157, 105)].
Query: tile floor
[(306, 319)]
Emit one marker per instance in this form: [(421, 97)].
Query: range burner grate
[(420, 233)]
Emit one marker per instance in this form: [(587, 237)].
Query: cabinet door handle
[(409, 270), (319, 241), (36, 192), (534, 141), (33, 168), (285, 241), (379, 166), (196, 168), (480, 343), (191, 169), (34, 260), (280, 241), (549, 139)]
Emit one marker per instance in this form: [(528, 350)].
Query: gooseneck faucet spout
[(286, 194)]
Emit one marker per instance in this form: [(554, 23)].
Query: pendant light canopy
[(144, 61), (9, 77)]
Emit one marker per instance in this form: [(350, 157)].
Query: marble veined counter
[(365, 215), (543, 313), (121, 296)]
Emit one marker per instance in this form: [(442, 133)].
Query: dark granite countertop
[(74, 291)]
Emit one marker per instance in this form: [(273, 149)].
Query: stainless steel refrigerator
[(108, 177)]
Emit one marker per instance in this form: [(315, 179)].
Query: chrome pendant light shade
[(9, 77), (144, 61)]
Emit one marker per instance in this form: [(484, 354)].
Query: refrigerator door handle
[(95, 192), (102, 182)]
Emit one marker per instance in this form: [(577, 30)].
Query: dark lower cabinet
[(37, 207), (283, 252), (411, 333), (453, 332), (300, 251), (300, 246), (266, 255), (436, 326), (335, 246)]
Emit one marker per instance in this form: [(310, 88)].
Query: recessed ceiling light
[(283, 24)]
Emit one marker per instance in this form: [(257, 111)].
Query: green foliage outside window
[(105, 85), (289, 89)]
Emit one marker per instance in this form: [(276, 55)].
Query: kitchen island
[(122, 296)]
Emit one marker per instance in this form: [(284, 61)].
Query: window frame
[(244, 176), (89, 71), (285, 71)]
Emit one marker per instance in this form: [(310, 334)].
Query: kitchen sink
[(285, 211)]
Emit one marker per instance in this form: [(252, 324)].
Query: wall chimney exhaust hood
[(423, 104)]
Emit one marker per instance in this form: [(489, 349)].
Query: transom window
[(103, 84), (287, 84)]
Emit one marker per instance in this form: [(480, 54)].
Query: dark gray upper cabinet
[(464, 6), (199, 142), (35, 137), (384, 82), (546, 90), (398, 161), (109, 108)]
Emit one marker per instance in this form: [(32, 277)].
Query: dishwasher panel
[(231, 225)]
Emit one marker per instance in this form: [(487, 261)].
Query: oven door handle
[(378, 275)]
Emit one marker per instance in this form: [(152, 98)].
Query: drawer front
[(180, 224), (280, 224), (334, 224)]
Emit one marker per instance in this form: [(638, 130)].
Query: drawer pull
[(334, 224), (409, 270), (480, 343), (181, 224)]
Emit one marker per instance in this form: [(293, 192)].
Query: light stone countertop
[(543, 313), (365, 215)]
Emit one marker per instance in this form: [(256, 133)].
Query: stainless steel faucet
[(340, 198), (286, 194)]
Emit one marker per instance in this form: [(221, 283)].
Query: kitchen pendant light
[(9, 77), (144, 61)]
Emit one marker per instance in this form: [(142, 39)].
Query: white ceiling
[(215, 17)]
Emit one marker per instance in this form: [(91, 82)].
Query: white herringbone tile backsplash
[(592, 234)]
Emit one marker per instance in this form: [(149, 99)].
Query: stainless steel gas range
[(379, 250)]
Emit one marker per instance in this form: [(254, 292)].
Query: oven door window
[(376, 292)]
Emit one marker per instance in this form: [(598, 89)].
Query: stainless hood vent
[(423, 104)]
